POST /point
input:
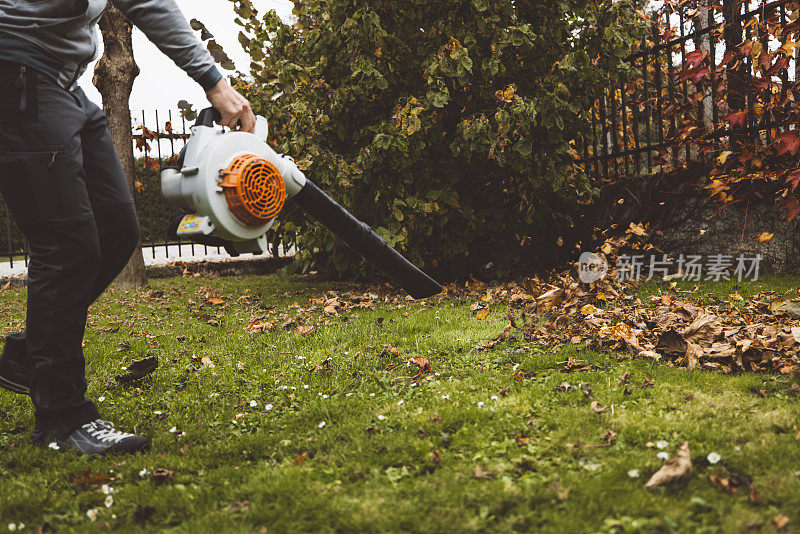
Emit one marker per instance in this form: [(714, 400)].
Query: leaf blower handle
[(208, 117), (362, 239)]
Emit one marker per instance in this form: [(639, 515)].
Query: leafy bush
[(446, 125)]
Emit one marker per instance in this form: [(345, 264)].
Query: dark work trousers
[(62, 181)]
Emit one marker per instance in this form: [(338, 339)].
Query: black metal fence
[(690, 100), (157, 141)]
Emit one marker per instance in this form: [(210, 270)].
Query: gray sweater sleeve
[(165, 25)]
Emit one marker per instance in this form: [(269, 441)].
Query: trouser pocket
[(19, 99), (43, 186)]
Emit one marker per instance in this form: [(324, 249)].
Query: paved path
[(161, 256)]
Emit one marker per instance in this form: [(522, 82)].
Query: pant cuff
[(65, 425)]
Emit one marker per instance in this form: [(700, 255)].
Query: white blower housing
[(233, 183)]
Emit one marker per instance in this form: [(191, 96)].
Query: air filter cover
[(254, 189)]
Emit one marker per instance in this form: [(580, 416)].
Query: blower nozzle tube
[(362, 239)]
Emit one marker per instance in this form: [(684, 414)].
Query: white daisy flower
[(714, 458), (321, 425), (106, 489), (305, 386), (54, 446), (109, 501), (371, 394), (173, 429), (381, 417), (480, 404), (324, 396), (661, 444), (445, 397), (633, 473), (348, 394), (143, 473), (101, 399), (157, 412), (400, 402), (495, 398), (663, 456), (253, 404), (12, 527), (268, 407), (91, 513)]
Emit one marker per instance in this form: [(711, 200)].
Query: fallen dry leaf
[(731, 483), (482, 474), (678, 468), (161, 475), (138, 370), (300, 459), (87, 478), (780, 521), (765, 237), (423, 364), (694, 353), (609, 437), (260, 325), (598, 408), (501, 337), (572, 365)]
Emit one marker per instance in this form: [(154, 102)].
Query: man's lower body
[(62, 181)]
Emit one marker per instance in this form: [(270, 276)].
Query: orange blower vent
[(254, 189)]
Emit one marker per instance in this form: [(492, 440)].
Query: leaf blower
[(234, 185)]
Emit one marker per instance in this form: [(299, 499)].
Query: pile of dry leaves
[(758, 334)]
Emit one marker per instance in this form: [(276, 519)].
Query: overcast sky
[(161, 84)]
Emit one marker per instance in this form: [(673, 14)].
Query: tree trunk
[(113, 77), (702, 22), (737, 81)]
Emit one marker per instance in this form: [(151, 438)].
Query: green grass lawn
[(256, 441)]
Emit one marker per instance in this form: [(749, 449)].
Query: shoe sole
[(65, 446), (14, 387)]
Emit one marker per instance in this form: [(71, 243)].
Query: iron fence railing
[(675, 110), (156, 144)]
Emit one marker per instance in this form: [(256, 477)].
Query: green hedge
[(446, 125)]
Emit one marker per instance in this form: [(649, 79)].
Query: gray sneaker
[(99, 437)]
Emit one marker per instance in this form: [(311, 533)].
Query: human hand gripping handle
[(234, 108)]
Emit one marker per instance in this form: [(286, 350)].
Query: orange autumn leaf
[(765, 237)]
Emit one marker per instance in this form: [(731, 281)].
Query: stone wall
[(684, 220)]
